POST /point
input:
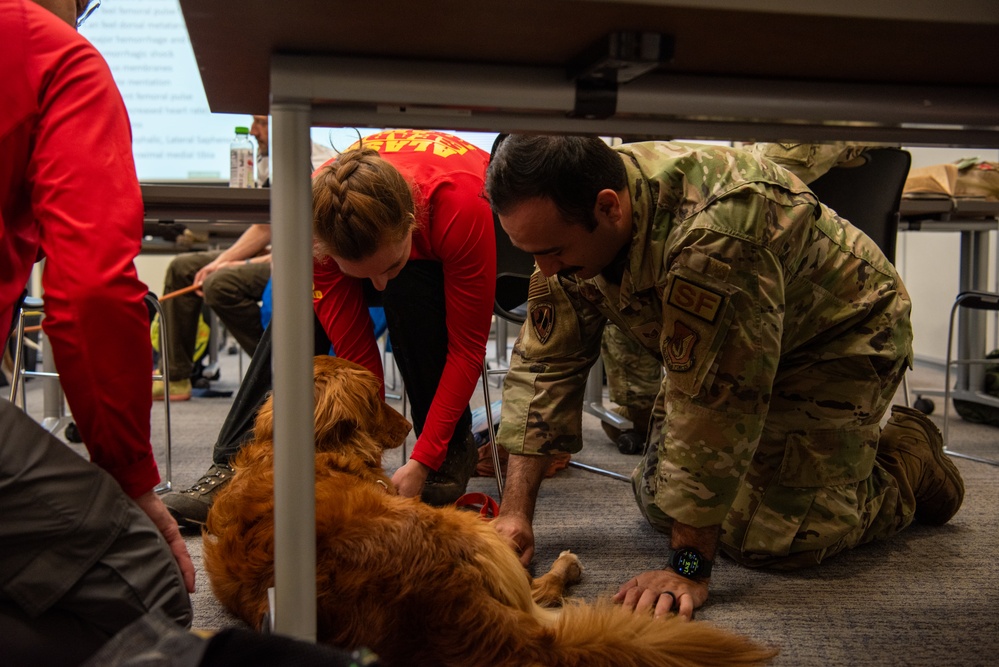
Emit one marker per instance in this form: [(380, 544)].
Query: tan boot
[(915, 442), (180, 390)]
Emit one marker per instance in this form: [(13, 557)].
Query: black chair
[(868, 195), (975, 301)]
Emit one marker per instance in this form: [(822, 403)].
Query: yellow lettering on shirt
[(415, 141), (443, 151)]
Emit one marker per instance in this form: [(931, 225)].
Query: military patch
[(543, 319), (680, 346), (539, 286), (700, 302)]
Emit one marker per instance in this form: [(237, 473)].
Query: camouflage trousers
[(634, 376), (808, 493)]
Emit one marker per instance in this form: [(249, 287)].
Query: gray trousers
[(233, 293), (79, 560)]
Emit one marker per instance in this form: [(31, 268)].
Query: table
[(511, 65), (974, 219), (216, 210)]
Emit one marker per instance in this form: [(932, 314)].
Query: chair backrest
[(868, 195), (513, 276), (513, 270)]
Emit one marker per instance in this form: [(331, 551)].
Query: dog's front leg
[(549, 589)]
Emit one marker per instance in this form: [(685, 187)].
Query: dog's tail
[(607, 634)]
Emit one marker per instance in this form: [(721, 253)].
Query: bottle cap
[(242, 130)]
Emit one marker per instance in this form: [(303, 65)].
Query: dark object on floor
[(980, 413), (208, 392)]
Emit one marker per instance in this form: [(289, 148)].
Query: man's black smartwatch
[(688, 562)]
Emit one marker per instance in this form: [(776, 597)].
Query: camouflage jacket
[(809, 161), (734, 272)]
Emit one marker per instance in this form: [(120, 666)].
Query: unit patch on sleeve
[(680, 346), (543, 319), (699, 301)]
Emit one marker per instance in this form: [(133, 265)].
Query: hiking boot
[(190, 507), (180, 390), (918, 447), (447, 484)]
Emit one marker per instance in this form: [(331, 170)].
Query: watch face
[(687, 562)]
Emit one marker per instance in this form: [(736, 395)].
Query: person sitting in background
[(232, 285), (784, 333), (398, 220), (86, 547)]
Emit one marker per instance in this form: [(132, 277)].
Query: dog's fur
[(421, 585)]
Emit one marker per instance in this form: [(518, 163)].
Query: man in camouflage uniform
[(809, 161), (633, 376), (784, 332)]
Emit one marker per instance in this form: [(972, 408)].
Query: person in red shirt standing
[(79, 559), (399, 221)]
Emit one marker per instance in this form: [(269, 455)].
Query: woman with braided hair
[(398, 221), (403, 213)]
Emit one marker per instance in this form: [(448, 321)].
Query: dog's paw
[(569, 565)]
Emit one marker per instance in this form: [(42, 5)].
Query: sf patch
[(543, 319), (680, 347), (691, 298)]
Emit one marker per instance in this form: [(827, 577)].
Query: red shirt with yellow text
[(455, 228)]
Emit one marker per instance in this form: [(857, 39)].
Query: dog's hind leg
[(549, 589)]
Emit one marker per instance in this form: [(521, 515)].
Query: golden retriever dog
[(421, 585)]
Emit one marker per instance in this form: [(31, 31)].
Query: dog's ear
[(392, 428), (348, 400), (263, 424), (342, 396)]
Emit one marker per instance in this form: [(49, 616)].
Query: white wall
[(929, 263)]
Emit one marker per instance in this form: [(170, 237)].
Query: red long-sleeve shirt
[(456, 229), (69, 193)]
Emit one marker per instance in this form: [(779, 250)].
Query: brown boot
[(915, 442)]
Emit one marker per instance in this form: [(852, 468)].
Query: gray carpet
[(927, 597)]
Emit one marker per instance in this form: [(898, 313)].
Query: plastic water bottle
[(241, 160)]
